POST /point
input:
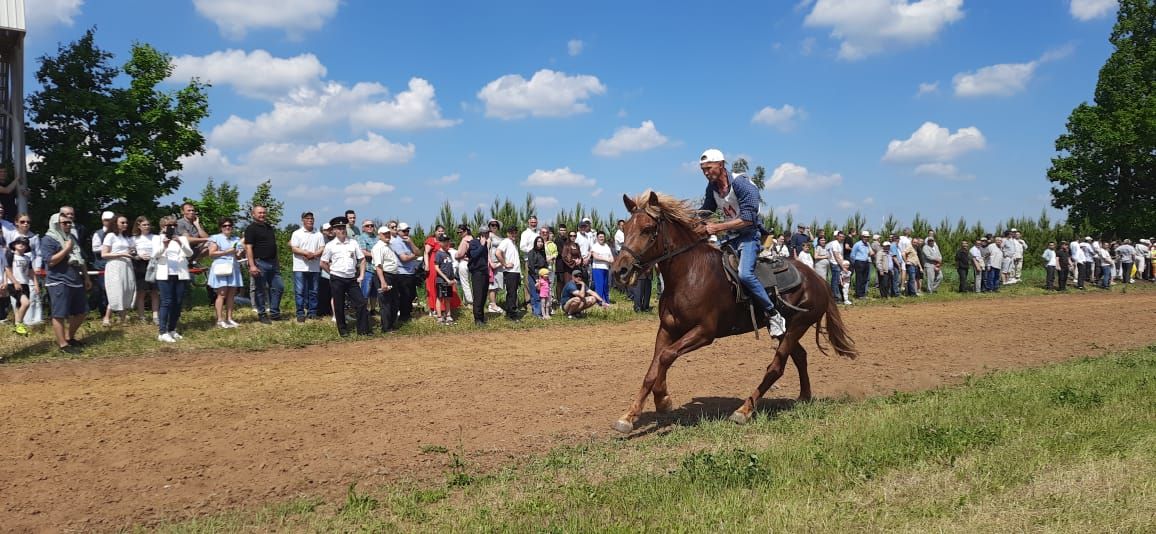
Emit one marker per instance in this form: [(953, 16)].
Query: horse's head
[(651, 234)]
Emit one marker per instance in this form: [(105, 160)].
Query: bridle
[(668, 250)]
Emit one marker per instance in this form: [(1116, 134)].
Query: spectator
[(913, 266), (861, 255), (562, 268), (66, 281), (406, 285), (885, 266), (1089, 257), (324, 295), (641, 290), (1106, 267), (473, 250), (497, 280), (511, 268), (822, 259), (526, 239), (994, 264), (586, 238), (98, 298), (601, 258), (1064, 265), (173, 252), (119, 280), (619, 237), (385, 267), (1051, 263), (142, 241), (797, 240), (542, 288), (307, 244), (1077, 253), (804, 255), (845, 281), (1126, 254), (932, 265), (34, 316), (224, 271), (432, 246), (366, 240), (535, 262), (1008, 248), (836, 258), (264, 267), (979, 263), (1021, 249), (21, 280), (443, 265), (578, 297), (343, 260), (962, 264), (1142, 258), (350, 224), (189, 225)]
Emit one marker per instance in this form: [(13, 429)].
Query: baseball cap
[(401, 227), (1089, 238), (711, 155), (107, 216), (383, 230), (585, 220), (579, 273), (864, 233), (886, 244), (1013, 230), (325, 227)]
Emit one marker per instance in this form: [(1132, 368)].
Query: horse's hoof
[(664, 406), (740, 418), (623, 427)]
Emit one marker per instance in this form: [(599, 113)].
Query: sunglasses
[(226, 226), (21, 222)]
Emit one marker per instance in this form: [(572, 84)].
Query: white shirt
[(342, 257), (8, 230), (173, 260), (584, 241), (384, 257), (117, 244), (619, 240), (510, 253), (601, 250), (1077, 251), (806, 259), (526, 242), (835, 251), (312, 241), (144, 245), (729, 204)]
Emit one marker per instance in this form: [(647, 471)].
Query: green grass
[(1066, 448), (198, 325)]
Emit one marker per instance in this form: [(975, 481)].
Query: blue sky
[(945, 107)]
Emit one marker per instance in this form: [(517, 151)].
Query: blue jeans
[(1106, 276), (911, 287), (172, 295), (836, 287), (305, 285), (535, 299), (269, 288), (748, 249), (368, 284)]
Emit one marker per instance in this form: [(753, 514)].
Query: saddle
[(776, 274)]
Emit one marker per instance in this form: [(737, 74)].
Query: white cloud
[(927, 88), (791, 176), (868, 27), (562, 177), (783, 118), (574, 47), (789, 208), (374, 149), (1086, 10), (946, 171), (311, 192), (358, 201), (1004, 79), (235, 17), (546, 94), (807, 46), (306, 111), (368, 189), (545, 202), (257, 73), (597, 192), (626, 139), (41, 14), (869, 201), (931, 142), (445, 180)]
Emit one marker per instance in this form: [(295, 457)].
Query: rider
[(738, 200)]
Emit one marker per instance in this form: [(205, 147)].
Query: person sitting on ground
[(578, 297)]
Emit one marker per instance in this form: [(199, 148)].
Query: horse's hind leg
[(775, 370), (799, 356)]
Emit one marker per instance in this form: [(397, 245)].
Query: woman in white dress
[(119, 280), (822, 260), (225, 273), (143, 241)]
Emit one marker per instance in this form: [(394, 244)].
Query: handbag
[(151, 270), (223, 268)]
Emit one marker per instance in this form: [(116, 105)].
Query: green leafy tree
[(1106, 171), (263, 196), (216, 202), (107, 147)]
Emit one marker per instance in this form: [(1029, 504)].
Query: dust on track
[(104, 444)]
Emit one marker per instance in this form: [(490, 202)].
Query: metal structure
[(12, 153)]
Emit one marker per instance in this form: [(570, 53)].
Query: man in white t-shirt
[(343, 260), (507, 256), (307, 244), (526, 241), (619, 238)]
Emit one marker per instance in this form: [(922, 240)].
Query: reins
[(667, 250)]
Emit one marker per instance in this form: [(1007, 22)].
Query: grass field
[(200, 333), (1066, 448)]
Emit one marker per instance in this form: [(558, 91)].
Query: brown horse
[(698, 304)]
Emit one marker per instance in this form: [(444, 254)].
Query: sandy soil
[(97, 445)]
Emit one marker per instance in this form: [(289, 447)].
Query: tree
[(216, 202), (105, 147), (1106, 171), (263, 196), (759, 177)]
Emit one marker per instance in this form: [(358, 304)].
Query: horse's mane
[(675, 210)]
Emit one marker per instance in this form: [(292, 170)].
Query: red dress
[(431, 278)]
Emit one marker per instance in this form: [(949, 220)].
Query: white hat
[(325, 227), (107, 216), (401, 227), (383, 229), (711, 155), (1013, 230), (586, 220), (864, 233), (1089, 238)]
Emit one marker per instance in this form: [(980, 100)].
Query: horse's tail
[(836, 332)]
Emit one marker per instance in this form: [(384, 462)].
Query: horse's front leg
[(664, 355)]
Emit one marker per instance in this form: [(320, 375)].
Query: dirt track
[(109, 443)]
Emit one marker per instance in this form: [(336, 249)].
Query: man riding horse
[(737, 198)]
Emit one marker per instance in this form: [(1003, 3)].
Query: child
[(544, 291), (845, 281), (445, 282), (22, 283)]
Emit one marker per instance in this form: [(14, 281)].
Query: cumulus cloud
[(562, 177), (597, 192), (362, 107), (1004, 79), (445, 180), (867, 27), (256, 74), (946, 171), (1086, 10), (236, 17), (932, 142), (41, 14), (374, 149), (546, 94), (368, 189), (792, 176), (626, 139), (927, 88), (574, 47), (311, 192), (545, 202), (783, 118)]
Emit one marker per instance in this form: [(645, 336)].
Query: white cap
[(586, 220), (1088, 238), (325, 227), (864, 233), (401, 227), (1013, 230), (107, 216), (383, 229), (711, 155)]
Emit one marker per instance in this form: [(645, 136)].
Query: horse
[(698, 304)]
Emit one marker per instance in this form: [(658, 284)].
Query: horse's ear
[(629, 202), (653, 200)]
